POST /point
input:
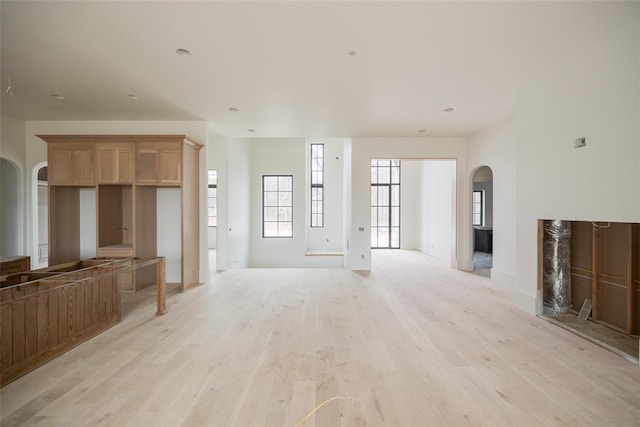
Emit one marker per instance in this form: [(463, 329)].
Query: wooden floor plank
[(413, 343)]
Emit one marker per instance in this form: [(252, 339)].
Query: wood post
[(595, 266), (161, 292), (631, 290)]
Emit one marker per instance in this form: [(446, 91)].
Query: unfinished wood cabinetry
[(71, 164), (116, 163), (159, 164), (129, 169), (604, 269)]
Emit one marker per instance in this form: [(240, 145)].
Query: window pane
[(284, 199), (270, 183), (270, 229), (384, 175), (383, 196), (374, 175), (285, 229), (386, 163), (284, 214), (395, 216), (285, 183), (271, 198), (270, 214), (374, 217), (383, 237), (374, 237), (395, 237), (383, 215), (395, 195), (395, 175)]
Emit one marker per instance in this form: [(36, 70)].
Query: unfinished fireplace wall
[(605, 268)]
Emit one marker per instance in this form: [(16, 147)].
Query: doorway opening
[(42, 213), (482, 220), (385, 204)]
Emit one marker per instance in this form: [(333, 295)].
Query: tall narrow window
[(478, 201), (385, 204), (277, 206), (317, 185), (212, 198)]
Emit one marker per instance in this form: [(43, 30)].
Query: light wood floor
[(413, 343)]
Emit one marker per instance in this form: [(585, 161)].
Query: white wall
[(495, 147), (240, 203), (437, 208), (329, 237), (410, 203), (36, 153), (12, 148), (364, 149), (286, 156), (595, 94)]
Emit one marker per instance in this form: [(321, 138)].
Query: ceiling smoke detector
[(233, 109), (183, 52), (132, 96), (448, 109), (56, 96)]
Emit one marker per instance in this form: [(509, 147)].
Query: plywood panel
[(19, 331), (64, 224), (581, 242), (31, 327), (6, 334), (614, 250), (190, 218), (43, 322), (580, 290), (613, 304)]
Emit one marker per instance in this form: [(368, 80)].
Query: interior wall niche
[(604, 260)]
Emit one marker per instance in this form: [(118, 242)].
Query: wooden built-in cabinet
[(159, 164), (125, 171), (116, 163), (71, 164)]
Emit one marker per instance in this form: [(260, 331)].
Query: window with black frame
[(385, 204), (277, 206)]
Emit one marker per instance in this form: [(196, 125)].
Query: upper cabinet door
[(115, 164), (71, 166), (169, 167), (159, 164)]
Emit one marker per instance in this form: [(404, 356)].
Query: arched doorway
[(10, 212), (482, 220)]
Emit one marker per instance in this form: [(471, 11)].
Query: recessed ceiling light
[(352, 53), (448, 110), (56, 96), (132, 96), (422, 130), (251, 130), (233, 109), (183, 52)]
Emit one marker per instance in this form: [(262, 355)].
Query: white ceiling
[(285, 65)]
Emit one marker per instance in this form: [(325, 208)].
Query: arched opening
[(482, 220), (41, 212), (10, 212)]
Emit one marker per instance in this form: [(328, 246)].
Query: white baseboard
[(525, 301)]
